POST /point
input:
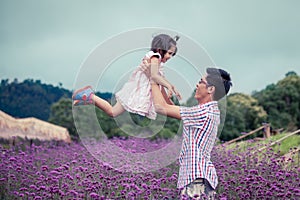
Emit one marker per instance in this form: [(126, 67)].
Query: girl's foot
[(83, 96)]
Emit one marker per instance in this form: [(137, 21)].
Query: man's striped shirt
[(200, 127)]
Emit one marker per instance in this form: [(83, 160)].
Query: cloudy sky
[(256, 41)]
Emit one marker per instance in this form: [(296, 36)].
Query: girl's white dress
[(135, 96)]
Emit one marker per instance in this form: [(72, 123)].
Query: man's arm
[(161, 105)]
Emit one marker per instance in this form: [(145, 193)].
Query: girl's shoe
[(83, 96), (82, 102)]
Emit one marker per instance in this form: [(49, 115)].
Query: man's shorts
[(198, 189)]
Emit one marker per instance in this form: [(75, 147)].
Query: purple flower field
[(69, 171)]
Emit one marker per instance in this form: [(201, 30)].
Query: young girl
[(135, 96)]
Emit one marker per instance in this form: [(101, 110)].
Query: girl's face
[(169, 54)]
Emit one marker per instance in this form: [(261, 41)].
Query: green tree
[(29, 98), (243, 114), (61, 114), (281, 102)]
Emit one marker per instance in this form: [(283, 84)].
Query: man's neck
[(205, 100)]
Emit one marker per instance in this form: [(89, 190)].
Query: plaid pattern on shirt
[(200, 127)]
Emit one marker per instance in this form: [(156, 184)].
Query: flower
[(94, 195)]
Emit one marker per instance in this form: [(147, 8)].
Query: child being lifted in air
[(135, 96)]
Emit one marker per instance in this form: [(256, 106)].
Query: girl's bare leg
[(112, 111)]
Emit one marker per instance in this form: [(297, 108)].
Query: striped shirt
[(200, 127)]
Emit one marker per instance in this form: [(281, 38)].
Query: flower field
[(69, 171)]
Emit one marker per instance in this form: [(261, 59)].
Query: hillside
[(29, 98), (31, 128), (287, 147), (277, 105), (32, 98)]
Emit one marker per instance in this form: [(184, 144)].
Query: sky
[(256, 41)]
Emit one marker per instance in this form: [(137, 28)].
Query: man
[(197, 174)]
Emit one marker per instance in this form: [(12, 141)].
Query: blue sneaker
[(83, 96)]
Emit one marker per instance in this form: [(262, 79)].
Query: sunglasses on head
[(202, 81)]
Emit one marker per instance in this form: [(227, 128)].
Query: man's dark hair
[(220, 79)]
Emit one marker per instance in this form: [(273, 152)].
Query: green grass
[(288, 144), (282, 147)]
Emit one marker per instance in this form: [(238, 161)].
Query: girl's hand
[(177, 94), (172, 90)]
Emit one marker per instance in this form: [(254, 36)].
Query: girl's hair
[(220, 79), (162, 43)]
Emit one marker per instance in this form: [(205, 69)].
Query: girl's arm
[(154, 65), (167, 99), (161, 106)]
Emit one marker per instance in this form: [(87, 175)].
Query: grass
[(283, 147)]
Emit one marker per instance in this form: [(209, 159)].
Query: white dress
[(135, 96)]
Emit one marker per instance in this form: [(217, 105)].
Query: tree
[(291, 73), (29, 98), (61, 114), (281, 102), (243, 114)]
